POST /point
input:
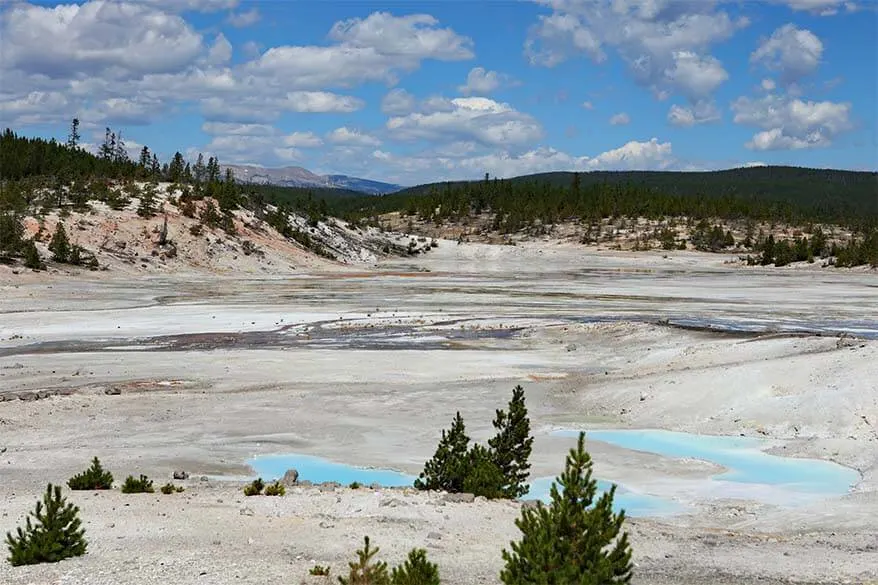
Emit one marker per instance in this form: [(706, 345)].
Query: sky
[(414, 91)]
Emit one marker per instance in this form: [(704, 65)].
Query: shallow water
[(751, 473), (318, 470)]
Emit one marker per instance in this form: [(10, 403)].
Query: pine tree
[(511, 446), (32, 258), (93, 478), (176, 168), (73, 138), (574, 539), (108, 147), (145, 158), (448, 468), (482, 476), (11, 232), (57, 534), (199, 170), (59, 246), (366, 571), (416, 570)]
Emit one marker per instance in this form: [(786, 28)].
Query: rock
[(529, 504), (571, 347), (204, 478), (247, 512), (392, 503), (113, 391), (643, 396), (328, 486), (434, 536), (326, 524), (180, 474), (290, 478), (459, 498)]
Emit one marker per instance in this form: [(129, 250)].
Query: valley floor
[(203, 372)]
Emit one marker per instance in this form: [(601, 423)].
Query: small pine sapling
[(319, 571), (366, 571), (141, 485), (254, 488), (275, 489), (56, 535), (416, 570), (93, 478)]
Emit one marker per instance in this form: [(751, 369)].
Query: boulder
[(290, 478), (180, 474)]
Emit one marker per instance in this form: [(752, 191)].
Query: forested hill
[(834, 191)]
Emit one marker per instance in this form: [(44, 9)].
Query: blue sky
[(421, 91)]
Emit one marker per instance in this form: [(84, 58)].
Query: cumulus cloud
[(620, 119), (465, 164), (398, 102), (112, 39), (415, 35), (228, 130), (695, 76), (320, 102), (588, 105), (664, 42), (351, 137), (703, 112), (220, 52), (481, 82), (791, 123), (103, 49), (479, 119), (792, 51)]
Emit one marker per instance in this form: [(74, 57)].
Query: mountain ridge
[(295, 176)]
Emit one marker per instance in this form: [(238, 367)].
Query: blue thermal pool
[(751, 474)]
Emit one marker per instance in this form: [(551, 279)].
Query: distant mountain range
[(300, 177)]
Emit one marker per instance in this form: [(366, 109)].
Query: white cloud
[(481, 82), (768, 85), (372, 49), (791, 123), (415, 35), (113, 39), (321, 102), (33, 108), (398, 102), (821, 7), (588, 105), (482, 120), (664, 42), (220, 52), (702, 112), (244, 19), (695, 76), (351, 137), (464, 164), (635, 155), (792, 51), (620, 119)]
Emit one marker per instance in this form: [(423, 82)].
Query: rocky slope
[(172, 240)]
